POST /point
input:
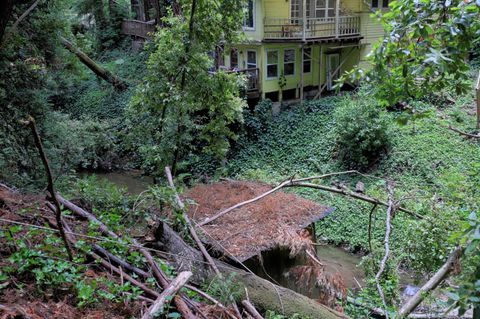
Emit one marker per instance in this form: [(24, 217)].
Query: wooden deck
[(276, 29), (141, 29)]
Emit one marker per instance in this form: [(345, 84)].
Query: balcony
[(314, 28)]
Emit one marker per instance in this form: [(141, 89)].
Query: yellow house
[(297, 48)]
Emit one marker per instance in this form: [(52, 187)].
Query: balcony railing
[(281, 28)]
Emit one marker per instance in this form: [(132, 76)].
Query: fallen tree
[(301, 182), (100, 71), (261, 292)]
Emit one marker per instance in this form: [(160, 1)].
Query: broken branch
[(388, 228), (463, 133), (299, 183), (251, 309), (431, 284), (171, 290), (51, 189)]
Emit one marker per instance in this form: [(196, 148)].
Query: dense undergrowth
[(433, 167)]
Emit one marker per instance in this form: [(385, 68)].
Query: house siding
[(370, 29)]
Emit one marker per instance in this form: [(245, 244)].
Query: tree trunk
[(6, 8), (262, 293), (103, 73)]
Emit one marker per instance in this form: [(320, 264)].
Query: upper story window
[(289, 61), (249, 18), (379, 4), (325, 8)]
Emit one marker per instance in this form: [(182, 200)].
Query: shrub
[(256, 121), (362, 133)]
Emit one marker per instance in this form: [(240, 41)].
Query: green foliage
[(183, 110), (256, 122), (424, 49), (272, 315), (362, 132), (432, 167), (468, 294), (226, 289)]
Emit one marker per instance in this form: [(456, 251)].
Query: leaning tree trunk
[(261, 292), (6, 8), (103, 73)]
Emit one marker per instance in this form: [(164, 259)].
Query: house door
[(252, 69), (333, 62)]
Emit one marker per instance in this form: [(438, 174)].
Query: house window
[(249, 17), (295, 9), (325, 8), (307, 60), (251, 59), (234, 59), (376, 4), (289, 61), (272, 63)]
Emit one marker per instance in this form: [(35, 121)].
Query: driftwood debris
[(171, 290), (100, 71), (265, 294)]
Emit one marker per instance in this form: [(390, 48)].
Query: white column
[(304, 19), (301, 74), (337, 13)]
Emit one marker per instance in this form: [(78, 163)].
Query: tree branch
[(388, 224), (171, 290), (100, 71), (299, 183), (50, 187)]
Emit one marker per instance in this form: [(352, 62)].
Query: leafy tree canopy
[(183, 109), (425, 49)]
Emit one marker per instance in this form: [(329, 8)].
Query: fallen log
[(265, 294), (100, 71), (171, 290)]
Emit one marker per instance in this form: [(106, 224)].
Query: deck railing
[(281, 28)]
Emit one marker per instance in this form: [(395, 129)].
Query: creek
[(276, 264)]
